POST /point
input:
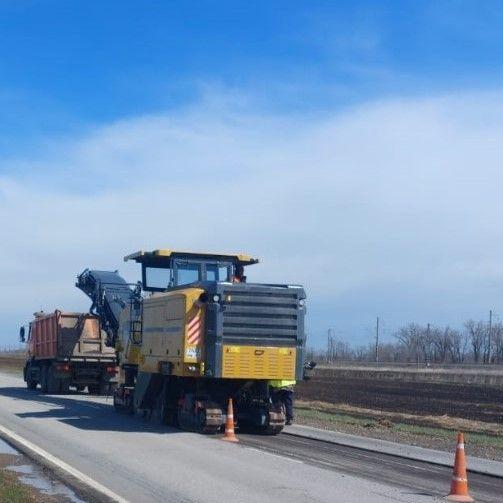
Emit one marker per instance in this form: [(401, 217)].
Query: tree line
[(476, 342)]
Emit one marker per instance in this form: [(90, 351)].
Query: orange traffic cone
[(229, 435), (459, 484)]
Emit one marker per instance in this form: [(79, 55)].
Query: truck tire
[(53, 383), (31, 384), (43, 379), (94, 389), (102, 388), (64, 386)]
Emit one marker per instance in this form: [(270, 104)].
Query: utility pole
[(328, 345), (333, 351), (377, 341), (489, 336), (426, 345)]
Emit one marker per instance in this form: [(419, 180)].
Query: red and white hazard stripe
[(194, 332)]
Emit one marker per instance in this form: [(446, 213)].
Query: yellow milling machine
[(195, 333)]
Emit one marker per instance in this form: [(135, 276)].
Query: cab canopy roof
[(164, 257)]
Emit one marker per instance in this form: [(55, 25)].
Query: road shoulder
[(475, 465), (75, 479)]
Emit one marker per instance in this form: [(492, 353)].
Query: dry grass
[(484, 439), (12, 363), (14, 491), (443, 422)]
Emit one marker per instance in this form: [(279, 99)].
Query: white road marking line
[(88, 481)]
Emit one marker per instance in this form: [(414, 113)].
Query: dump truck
[(194, 333), (68, 349)]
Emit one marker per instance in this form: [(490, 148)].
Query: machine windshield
[(191, 272), (217, 272), (157, 278), (185, 272)]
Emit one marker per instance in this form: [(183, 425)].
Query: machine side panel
[(258, 362), (163, 331), (173, 332)]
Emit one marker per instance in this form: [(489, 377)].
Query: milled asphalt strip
[(475, 465), (73, 477)]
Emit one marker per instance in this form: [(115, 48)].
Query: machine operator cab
[(167, 269)]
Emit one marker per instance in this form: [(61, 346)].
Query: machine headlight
[(216, 298), (302, 302)]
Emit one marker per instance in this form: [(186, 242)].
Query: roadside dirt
[(20, 483), (416, 398)]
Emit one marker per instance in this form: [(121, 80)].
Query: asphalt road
[(416, 476), (145, 463)]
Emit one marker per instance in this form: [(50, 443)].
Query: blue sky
[(376, 124), (68, 64)]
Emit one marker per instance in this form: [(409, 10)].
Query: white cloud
[(389, 200)]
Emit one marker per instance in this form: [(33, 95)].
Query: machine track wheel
[(276, 421), (212, 418), (272, 430), (119, 407), (201, 416), (165, 413), (122, 405)]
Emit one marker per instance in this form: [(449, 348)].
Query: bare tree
[(410, 337), (497, 343), (477, 335), (459, 345), (442, 343)]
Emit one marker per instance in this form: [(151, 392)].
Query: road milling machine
[(194, 333)]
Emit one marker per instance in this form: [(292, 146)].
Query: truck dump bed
[(65, 335)]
